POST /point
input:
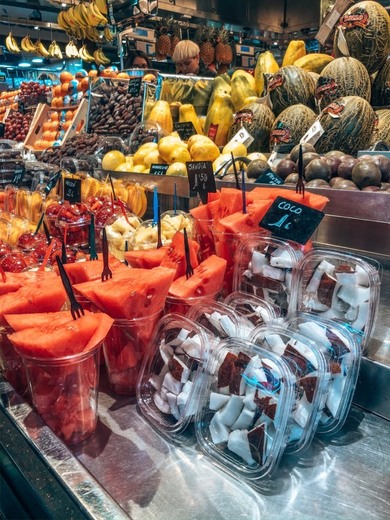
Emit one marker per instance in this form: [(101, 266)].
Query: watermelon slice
[(310, 199), (230, 202), (175, 257), (207, 279), (79, 272), (138, 293), (146, 259), (46, 295), (15, 281), (240, 222), (103, 328), (27, 321), (56, 340)]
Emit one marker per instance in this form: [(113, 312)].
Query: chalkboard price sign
[(72, 190), (134, 86), (201, 178), (159, 169), (18, 175), (185, 130), (269, 177), (2, 130), (21, 107), (52, 182), (290, 220)]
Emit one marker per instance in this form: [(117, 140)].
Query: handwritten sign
[(185, 130), (201, 178), (158, 169), (2, 130), (18, 175), (290, 220), (72, 190), (269, 177), (52, 182), (134, 86)]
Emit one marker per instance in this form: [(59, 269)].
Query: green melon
[(366, 28), (257, 119), (291, 125), (381, 87), (343, 77), (382, 132), (348, 124), (291, 86)]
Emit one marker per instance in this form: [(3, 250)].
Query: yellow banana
[(62, 21), (11, 44), (102, 6), (41, 49), (103, 57), (27, 45), (108, 34), (84, 54), (95, 17)]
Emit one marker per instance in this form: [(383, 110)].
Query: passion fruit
[(366, 173), (383, 164), (307, 158), (317, 183), (306, 148), (285, 167), (256, 168), (343, 184), (291, 179), (345, 167), (334, 153), (318, 169)]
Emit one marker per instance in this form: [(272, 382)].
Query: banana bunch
[(27, 45), (71, 50), (93, 34), (41, 49), (84, 55), (108, 34), (11, 44), (55, 51), (100, 58), (81, 16)]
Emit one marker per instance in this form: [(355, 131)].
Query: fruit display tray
[(126, 470)]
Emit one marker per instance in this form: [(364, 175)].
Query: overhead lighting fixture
[(275, 43), (37, 60), (36, 27), (24, 64), (64, 4)]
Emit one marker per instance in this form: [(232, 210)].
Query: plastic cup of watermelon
[(64, 392), (182, 306), (204, 236), (124, 348), (11, 363)]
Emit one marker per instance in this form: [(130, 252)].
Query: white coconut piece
[(352, 313), (315, 331), (219, 432), (362, 276), (183, 335), (306, 352), (182, 400), (344, 278), (248, 400), (326, 267), (217, 400), (185, 370), (335, 393), (362, 317), (275, 342), (332, 314), (281, 258), (314, 283), (161, 404), (232, 409), (354, 294), (227, 326), (172, 401), (166, 351), (156, 381), (193, 347), (259, 260), (311, 302), (225, 390), (248, 273), (274, 272), (303, 411), (172, 384), (238, 443), (288, 280), (245, 327), (244, 420)]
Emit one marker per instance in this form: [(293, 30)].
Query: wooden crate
[(42, 115)]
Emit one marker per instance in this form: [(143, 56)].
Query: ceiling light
[(37, 60), (24, 64), (64, 4), (36, 27)]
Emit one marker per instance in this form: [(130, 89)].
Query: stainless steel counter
[(132, 472)]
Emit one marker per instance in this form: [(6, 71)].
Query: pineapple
[(206, 45), (223, 50), (174, 35), (163, 41)]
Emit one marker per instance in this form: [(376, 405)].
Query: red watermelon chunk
[(229, 202), (240, 222), (79, 272), (38, 319), (138, 293), (207, 279), (175, 257), (146, 259), (15, 281), (46, 295), (310, 199)]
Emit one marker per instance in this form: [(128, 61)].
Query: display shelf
[(126, 470)]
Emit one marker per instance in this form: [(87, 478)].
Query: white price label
[(242, 136), (275, 158), (313, 134)]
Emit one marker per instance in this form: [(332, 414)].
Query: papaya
[(219, 119), (314, 62), (295, 50), (243, 87), (220, 86), (161, 114), (187, 114), (266, 64)]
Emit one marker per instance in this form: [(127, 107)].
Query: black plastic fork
[(106, 273), (189, 268), (300, 185), (76, 309)]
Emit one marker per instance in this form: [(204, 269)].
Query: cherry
[(5, 248), (29, 240), (13, 262)]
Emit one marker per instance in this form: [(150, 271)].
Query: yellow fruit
[(222, 159), (143, 150), (138, 168), (167, 144), (257, 155), (204, 151), (112, 160), (238, 149), (129, 159), (219, 119), (187, 114), (243, 87), (295, 50), (313, 62), (124, 167), (161, 114), (266, 64), (196, 139), (179, 154), (178, 169), (153, 157)]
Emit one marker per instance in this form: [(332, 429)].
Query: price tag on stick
[(185, 130), (269, 177), (201, 178), (2, 130), (134, 86), (72, 190), (18, 175), (158, 169), (290, 220)]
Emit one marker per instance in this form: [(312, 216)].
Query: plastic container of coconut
[(339, 286), (253, 308)]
